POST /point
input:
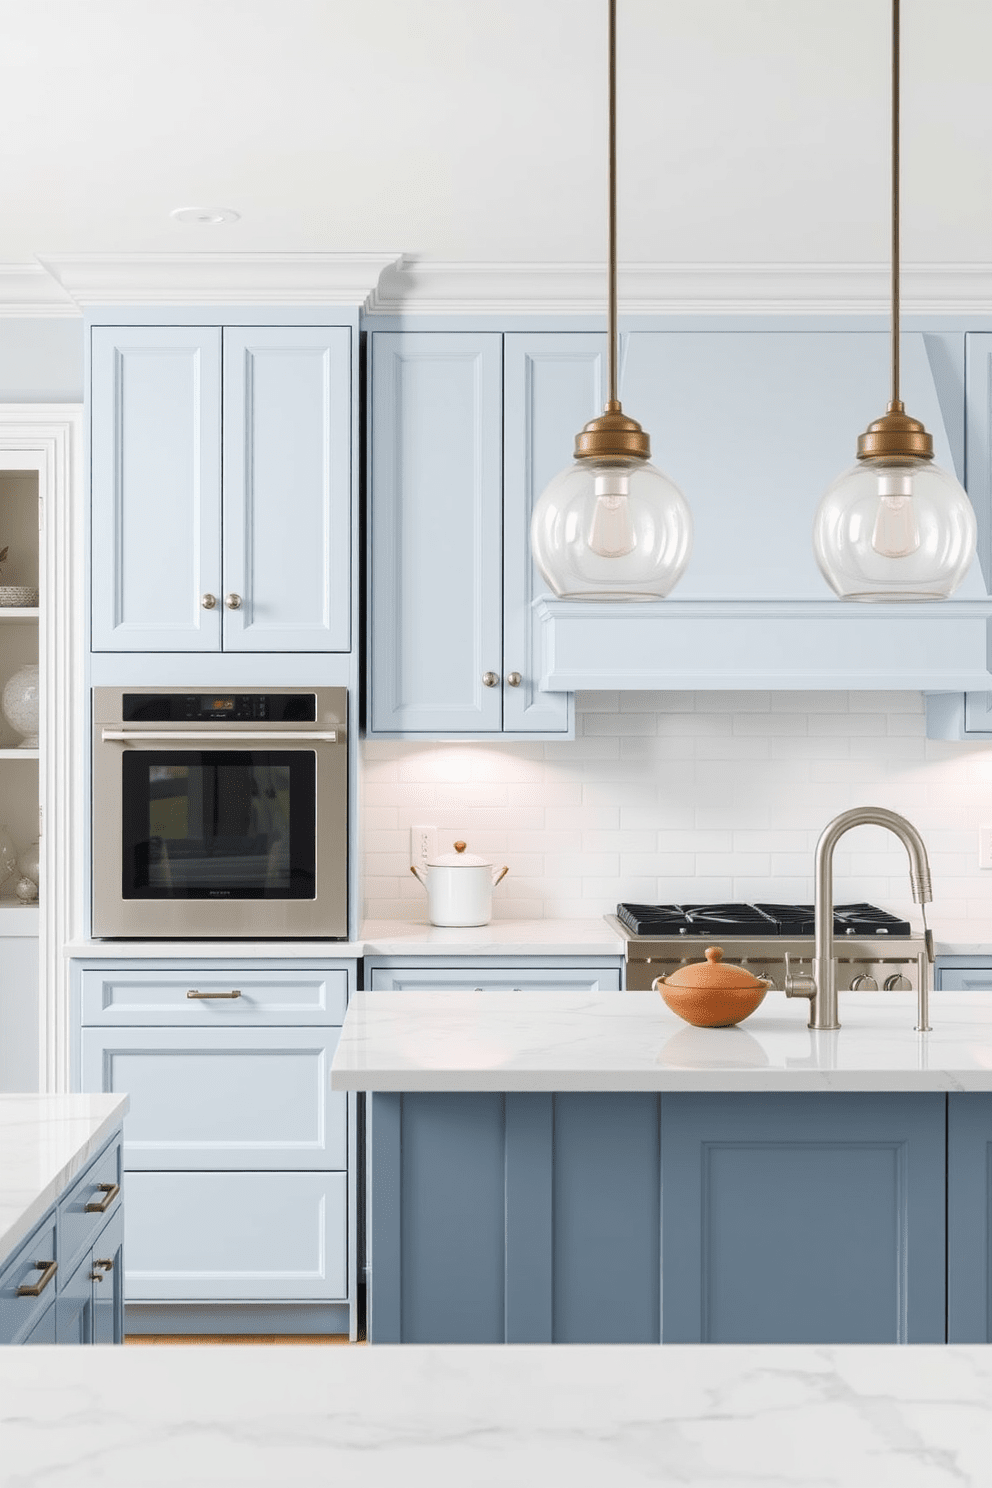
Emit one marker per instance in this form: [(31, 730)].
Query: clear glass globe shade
[(894, 530), (611, 529)]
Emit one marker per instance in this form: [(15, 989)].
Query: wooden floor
[(238, 1338)]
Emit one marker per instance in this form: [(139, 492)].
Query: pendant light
[(611, 526), (895, 526)]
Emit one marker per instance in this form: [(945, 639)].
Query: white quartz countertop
[(45, 1140), (302, 1417), (542, 1041)]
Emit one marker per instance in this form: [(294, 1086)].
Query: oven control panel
[(223, 707)]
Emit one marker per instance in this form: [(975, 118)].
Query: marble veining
[(45, 1140), (713, 1416), (537, 1040)]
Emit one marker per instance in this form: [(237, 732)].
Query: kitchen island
[(555, 1167)]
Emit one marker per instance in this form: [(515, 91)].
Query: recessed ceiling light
[(206, 216)]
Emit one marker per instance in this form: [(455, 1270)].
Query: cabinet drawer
[(965, 979), (79, 1226), (19, 1314), (140, 996), (495, 979), (236, 1237), (222, 1098)]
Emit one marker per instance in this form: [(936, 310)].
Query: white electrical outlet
[(985, 846), (423, 845)]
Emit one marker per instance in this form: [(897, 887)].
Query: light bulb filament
[(896, 533), (611, 531)]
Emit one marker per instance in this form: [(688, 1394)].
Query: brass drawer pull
[(48, 1270), (110, 1192), (204, 996), (107, 1265)]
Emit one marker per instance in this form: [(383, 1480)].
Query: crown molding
[(217, 278), (29, 290), (651, 289), (390, 284)]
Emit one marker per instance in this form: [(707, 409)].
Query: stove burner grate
[(755, 920)]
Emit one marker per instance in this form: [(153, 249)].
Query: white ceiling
[(466, 130)]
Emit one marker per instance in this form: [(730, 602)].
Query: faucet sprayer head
[(921, 885)]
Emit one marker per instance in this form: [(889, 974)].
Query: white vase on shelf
[(20, 704)]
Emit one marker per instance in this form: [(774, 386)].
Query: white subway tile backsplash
[(693, 797)]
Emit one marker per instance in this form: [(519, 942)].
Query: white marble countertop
[(45, 1140), (711, 1416), (588, 937), (540, 1041)]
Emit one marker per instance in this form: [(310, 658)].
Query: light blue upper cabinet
[(553, 385), (156, 473), (969, 715), (203, 542), (287, 535), (436, 649)]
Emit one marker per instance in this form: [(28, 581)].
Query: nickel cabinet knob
[(208, 601), (490, 679), (514, 679), (233, 601)]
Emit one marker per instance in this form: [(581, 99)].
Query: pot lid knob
[(714, 955), (461, 846)]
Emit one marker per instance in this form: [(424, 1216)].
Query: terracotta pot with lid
[(712, 994)]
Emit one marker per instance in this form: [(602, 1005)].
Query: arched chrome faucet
[(821, 987)]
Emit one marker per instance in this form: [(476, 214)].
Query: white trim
[(48, 438), (706, 288), (29, 290), (217, 278)]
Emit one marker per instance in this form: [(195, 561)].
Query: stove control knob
[(898, 983), (864, 983)]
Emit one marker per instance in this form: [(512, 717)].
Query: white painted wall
[(750, 130), (691, 797)]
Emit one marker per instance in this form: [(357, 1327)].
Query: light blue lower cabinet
[(229, 1236), (622, 1218)]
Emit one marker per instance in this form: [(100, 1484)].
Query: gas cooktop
[(714, 920)]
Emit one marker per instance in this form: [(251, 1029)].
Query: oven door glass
[(219, 824)]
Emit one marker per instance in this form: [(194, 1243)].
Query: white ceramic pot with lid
[(459, 887)]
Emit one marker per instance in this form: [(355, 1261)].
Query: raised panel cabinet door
[(287, 488), (237, 1237), (74, 1306), (108, 1282), (222, 1097), (969, 1217), (155, 434), (435, 533), (553, 385), (803, 1218)]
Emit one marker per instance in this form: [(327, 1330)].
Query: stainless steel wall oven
[(220, 814)]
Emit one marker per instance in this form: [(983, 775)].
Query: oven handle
[(187, 736)]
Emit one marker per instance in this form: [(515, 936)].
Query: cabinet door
[(803, 1218), (552, 387), (44, 1330), (287, 488), (74, 1306), (969, 1207), (222, 1097), (108, 1282), (237, 1237), (436, 517), (156, 481)]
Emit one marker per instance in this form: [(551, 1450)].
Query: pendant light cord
[(895, 404), (614, 403)]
